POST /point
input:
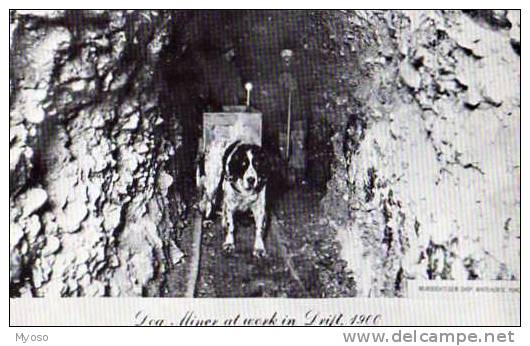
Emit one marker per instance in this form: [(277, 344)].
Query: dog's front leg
[(228, 227), (260, 218)]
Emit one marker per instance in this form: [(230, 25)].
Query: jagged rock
[(175, 253), (16, 234), (73, 215), (38, 276), (458, 59), (53, 244), (98, 122), (15, 155), (33, 227), (81, 271), (24, 248), (142, 148), (114, 261), (514, 16), (15, 267), (32, 200), (491, 99), (410, 75), (95, 289), (165, 181), (92, 101), (132, 123), (473, 98)]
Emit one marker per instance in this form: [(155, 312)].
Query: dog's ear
[(261, 162), (236, 164), (228, 159)]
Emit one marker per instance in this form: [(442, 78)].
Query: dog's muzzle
[(250, 183)]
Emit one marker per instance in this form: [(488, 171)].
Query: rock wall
[(424, 109), (426, 181), (89, 201)]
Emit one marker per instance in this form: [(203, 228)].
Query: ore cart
[(219, 131)]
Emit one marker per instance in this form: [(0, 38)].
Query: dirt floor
[(302, 258)]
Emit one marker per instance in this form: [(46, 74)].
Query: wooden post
[(195, 264), (288, 125), (248, 98)]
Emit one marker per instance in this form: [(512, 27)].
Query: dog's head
[(247, 167)]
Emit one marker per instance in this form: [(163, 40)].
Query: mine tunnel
[(209, 57), (106, 121)]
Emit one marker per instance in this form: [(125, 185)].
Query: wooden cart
[(219, 131)]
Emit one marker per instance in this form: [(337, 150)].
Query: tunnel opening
[(204, 64), (208, 58)]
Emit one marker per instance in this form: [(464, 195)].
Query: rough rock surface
[(421, 110), (89, 210), (427, 167)]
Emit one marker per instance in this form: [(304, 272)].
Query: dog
[(243, 186)]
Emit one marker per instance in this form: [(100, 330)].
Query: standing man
[(221, 79), (293, 133)]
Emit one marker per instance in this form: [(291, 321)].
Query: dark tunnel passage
[(209, 57), (292, 61)]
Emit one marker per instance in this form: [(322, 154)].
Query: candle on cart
[(248, 87)]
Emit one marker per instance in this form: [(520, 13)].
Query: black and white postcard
[(264, 167)]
